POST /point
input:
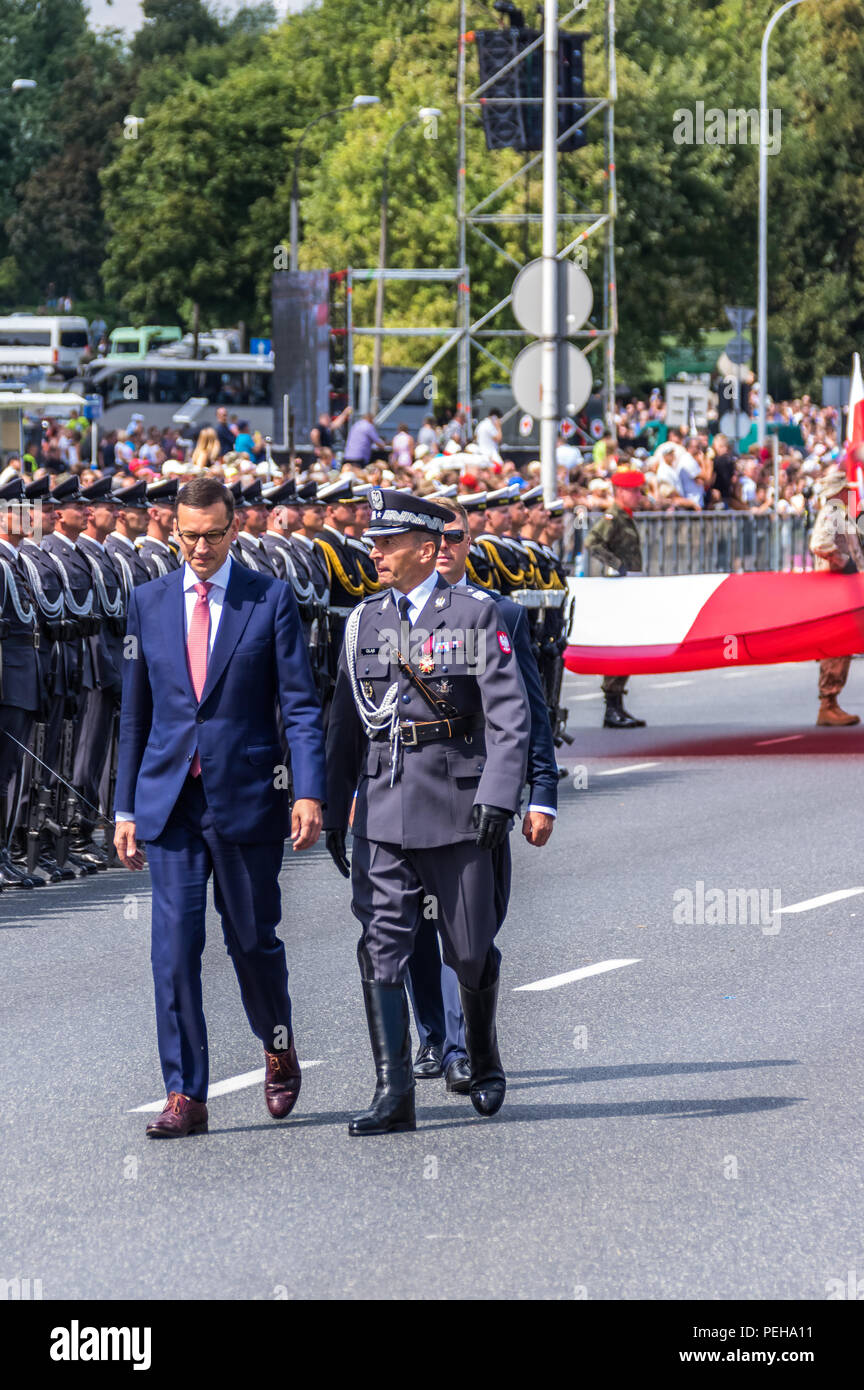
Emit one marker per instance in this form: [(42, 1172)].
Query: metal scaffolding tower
[(480, 220)]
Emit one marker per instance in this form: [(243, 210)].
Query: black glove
[(492, 825), (335, 841)]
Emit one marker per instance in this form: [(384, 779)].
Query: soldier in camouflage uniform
[(615, 541), (835, 544)]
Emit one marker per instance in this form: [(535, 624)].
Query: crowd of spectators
[(697, 470)]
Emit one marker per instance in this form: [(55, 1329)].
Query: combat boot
[(488, 1082), (392, 1108), (617, 717), (832, 716)]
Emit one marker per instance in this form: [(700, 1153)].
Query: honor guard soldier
[(549, 595), (86, 664), (157, 548), (21, 692), (834, 542), (430, 725), (354, 535), (615, 541), (348, 584), (38, 842), (478, 565), (300, 566), (96, 752), (252, 509), (130, 525), (510, 568)]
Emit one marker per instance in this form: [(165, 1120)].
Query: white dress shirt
[(418, 597), (216, 596)]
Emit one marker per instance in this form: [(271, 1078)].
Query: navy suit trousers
[(246, 895)]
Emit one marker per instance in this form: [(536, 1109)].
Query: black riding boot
[(488, 1082), (82, 846), (392, 1107), (617, 717)]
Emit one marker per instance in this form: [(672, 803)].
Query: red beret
[(628, 477)]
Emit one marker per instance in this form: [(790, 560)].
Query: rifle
[(39, 798), (112, 780)]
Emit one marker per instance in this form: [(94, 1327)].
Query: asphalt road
[(685, 1126)]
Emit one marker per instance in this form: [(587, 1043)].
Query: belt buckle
[(403, 734)]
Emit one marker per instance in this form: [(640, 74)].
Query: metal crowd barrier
[(705, 543)]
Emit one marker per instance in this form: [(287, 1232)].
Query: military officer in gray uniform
[(155, 547), (430, 725)]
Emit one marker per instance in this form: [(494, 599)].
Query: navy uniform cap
[(395, 512), (133, 495), (13, 490), (38, 488), (502, 497), (472, 501), (340, 491), (67, 490), (556, 508), (533, 497), (309, 493), (100, 491), (162, 492), (247, 493), (280, 494)]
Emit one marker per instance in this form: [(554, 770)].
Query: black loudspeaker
[(519, 126)]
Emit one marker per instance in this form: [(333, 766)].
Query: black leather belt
[(413, 731)]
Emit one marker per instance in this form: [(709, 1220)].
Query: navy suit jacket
[(258, 659)]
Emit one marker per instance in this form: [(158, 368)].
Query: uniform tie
[(197, 651), (404, 606)]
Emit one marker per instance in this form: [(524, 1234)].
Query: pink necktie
[(197, 650)]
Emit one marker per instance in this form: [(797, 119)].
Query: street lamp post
[(295, 186), (426, 114), (762, 349)]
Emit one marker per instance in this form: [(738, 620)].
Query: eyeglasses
[(453, 537), (191, 538)]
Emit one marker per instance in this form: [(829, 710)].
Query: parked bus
[(137, 342), (181, 391), (54, 343)]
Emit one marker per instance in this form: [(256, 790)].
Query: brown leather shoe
[(282, 1081), (180, 1117), (832, 716)]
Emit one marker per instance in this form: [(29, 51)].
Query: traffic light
[(520, 126)]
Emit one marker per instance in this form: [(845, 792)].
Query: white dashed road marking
[(631, 767), (825, 899), (555, 981), (222, 1088), (668, 685)]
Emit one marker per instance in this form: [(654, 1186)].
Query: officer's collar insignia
[(440, 600)]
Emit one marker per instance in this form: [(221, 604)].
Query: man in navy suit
[(432, 987), (209, 652)]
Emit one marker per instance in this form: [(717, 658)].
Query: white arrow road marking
[(631, 767), (826, 898), (221, 1088), (555, 981)]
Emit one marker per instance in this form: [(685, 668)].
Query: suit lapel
[(236, 612)]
